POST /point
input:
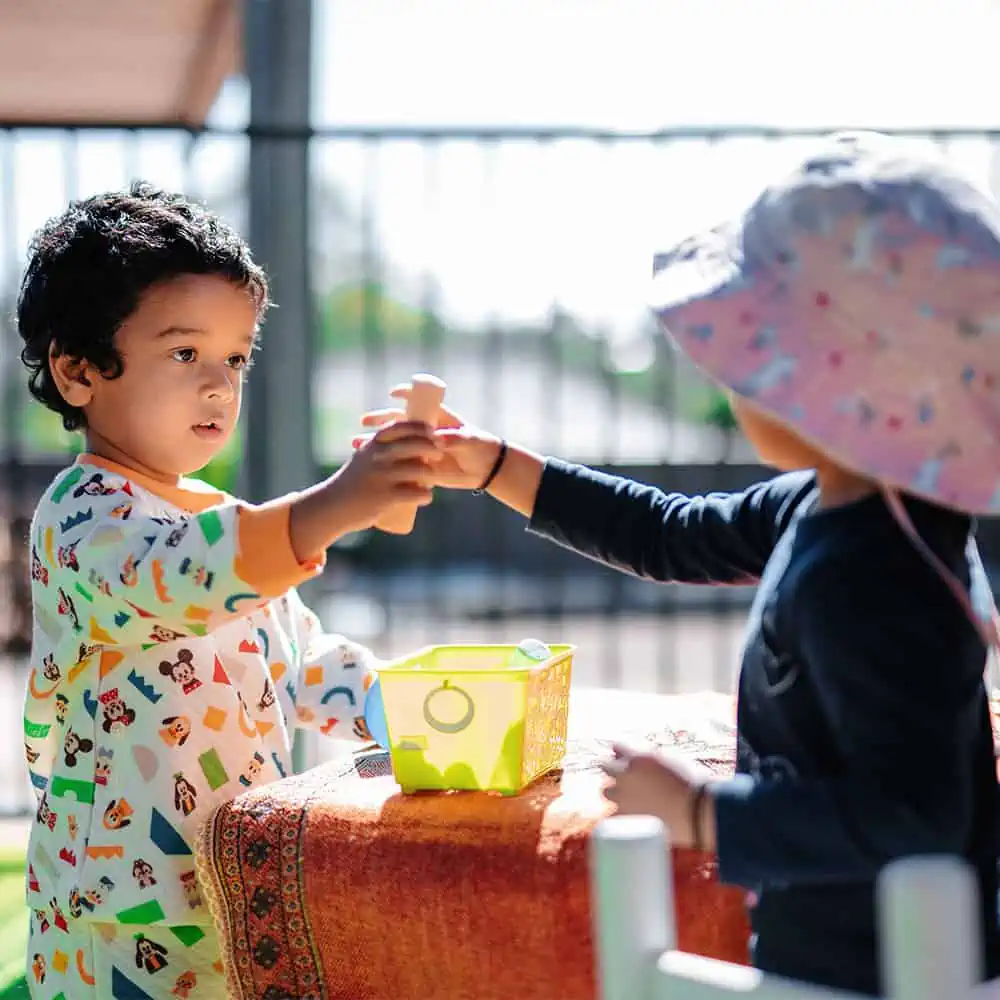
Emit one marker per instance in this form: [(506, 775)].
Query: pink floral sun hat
[(858, 301)]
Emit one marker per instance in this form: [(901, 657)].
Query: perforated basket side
[(546, 718)]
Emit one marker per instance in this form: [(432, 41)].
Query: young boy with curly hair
[(172, 656)]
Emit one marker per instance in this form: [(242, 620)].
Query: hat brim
[(784, 354)]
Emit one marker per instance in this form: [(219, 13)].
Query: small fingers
[(622, 751), (378, 418), (412, 471), (406, 429), (412, 493), (407, 450), (615, 767)]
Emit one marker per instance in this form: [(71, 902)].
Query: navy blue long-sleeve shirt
[(864, 731)]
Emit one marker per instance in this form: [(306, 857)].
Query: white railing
[(927, 912)]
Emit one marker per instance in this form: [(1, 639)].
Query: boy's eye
[(239, 361), (185, 355)]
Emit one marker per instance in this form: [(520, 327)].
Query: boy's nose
[(219, 383)]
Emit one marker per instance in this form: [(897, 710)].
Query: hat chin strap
[(989, 630)]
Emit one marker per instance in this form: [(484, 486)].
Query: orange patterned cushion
[(334, 877)]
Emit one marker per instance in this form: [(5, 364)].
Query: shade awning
[(115, 61)]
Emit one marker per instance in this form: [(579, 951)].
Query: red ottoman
[(334, 884)]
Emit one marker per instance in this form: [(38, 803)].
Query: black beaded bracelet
[(497, 465)]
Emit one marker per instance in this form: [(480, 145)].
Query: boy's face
[(178, 400)]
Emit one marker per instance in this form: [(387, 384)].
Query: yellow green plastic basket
[(459, 717)]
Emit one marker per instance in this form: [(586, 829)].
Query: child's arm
[(896, 671), (119, 576), (718, 538), (326, 691)]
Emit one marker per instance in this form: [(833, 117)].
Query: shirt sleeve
[(897, 671), (119, 576), (327, 690), (719, 538)]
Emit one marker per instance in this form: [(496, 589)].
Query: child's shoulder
[(107, 489), (859, 557)]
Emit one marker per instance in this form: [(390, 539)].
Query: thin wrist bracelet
[(497, 465)]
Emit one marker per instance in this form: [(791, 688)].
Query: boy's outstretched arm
[(115, 574)]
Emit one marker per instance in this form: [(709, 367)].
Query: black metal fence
[(512, 263)]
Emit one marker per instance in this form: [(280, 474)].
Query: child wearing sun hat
[(853, 313)]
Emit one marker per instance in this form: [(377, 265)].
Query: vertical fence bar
[(633, 904), (929, 931), (429, 544), (278, 55)]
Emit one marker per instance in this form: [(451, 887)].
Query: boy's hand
[(651, 785), (468, 452), (395, 465)]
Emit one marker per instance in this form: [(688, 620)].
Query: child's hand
[(395, 465), (468, 451), (651, 785)]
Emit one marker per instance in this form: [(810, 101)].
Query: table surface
[(613, 710), (615, 713)]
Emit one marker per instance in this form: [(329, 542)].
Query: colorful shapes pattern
[(175, 692)]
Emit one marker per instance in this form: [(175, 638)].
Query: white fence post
[(929, 931), (633, 903)]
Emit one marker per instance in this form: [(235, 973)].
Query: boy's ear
[(71, 377)]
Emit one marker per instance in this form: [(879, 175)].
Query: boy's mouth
[(208, 429)]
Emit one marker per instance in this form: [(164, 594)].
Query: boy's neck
[(839, 486), (102, 448)]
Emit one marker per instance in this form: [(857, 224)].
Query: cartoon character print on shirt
[(95, 487), (185, 795), (186, 984), (73, 745), (267, 698), (142, 872), (66, 557), (189, 886), (202, 575), (117, 715), (176, 730), (50, 669), (252, 769), (130, 571), (94, 897), (149, 954), (67, 608), (44, 816), (160, 633), (38, 571), (118, 814), (181, 671), (102, 765)]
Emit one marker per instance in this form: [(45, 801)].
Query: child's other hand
[(649, 784), (395, 465), (468, 452)]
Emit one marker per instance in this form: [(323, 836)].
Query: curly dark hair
[(88, 268)]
